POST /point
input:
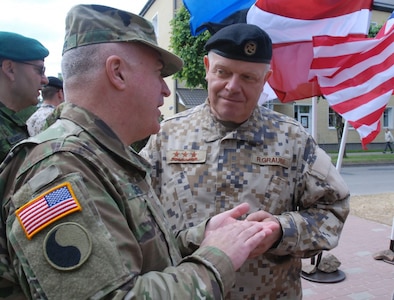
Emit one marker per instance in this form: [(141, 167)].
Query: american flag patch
[(48, 207)]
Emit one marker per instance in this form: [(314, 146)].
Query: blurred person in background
[(22, 76), (52, 96)]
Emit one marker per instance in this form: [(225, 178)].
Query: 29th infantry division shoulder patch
[(48, 207), (67, 246)]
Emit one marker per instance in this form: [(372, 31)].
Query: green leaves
[(189, 48)]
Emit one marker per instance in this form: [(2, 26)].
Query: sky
[(44, 20)]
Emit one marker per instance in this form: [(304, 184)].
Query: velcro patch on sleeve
[(48, 207)]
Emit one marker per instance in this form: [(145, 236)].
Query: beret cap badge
[(250, 48)]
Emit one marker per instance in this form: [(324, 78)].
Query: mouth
[(231, 100)]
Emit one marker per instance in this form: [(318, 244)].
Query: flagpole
[(342, 146), (314, 117)]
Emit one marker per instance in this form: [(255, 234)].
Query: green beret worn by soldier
[(79, 219), (229, 150), (22, 74)]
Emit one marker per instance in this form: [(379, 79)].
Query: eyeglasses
[(40, 69)]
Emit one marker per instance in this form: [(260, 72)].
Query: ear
[(206, 65), (267, 75), (115, 71), (8, 68)]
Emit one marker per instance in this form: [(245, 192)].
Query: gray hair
[(82, 61)]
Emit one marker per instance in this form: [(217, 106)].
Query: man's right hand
[(237, 239)]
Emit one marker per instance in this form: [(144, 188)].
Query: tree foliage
[(373, 30), (189, 48)]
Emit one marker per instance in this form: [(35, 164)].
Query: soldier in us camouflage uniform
[(22, 73), (79, 219), (228, 150)]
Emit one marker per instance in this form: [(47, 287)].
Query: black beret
[(241, 41), (55, 82), (20, 48)]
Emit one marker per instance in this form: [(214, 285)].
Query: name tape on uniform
[(271, 160)]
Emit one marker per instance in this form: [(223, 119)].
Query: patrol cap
[(55, 82), (17, 47), (93, 24), (241, 41)]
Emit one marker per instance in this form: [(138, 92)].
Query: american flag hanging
[(291, 25), (356, 76)]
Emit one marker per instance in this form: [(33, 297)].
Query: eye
[(249, 78), (221, 73)]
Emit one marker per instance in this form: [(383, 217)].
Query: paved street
[(364, 180)]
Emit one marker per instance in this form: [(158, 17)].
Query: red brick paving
[(366, 278)]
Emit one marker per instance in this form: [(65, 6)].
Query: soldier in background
[(229, 150), (52, 96), (22, 74), (79, 218)]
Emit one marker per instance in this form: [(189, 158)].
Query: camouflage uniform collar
[(101, 133), (11, 115), (89, 122), (250, 131)]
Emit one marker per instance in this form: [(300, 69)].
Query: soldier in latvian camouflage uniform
[(52, 96), (22, 74), (79, 219), (228, 150)]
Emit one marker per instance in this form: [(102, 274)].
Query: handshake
[(241, 240)]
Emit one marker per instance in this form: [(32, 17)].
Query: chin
[(153, 129), (231, 118)]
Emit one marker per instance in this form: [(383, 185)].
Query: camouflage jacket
[(37, 121), (79, 220), (12, 129), (201, 168)]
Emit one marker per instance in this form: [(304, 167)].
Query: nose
[(233, 83), (44, 80), (165, 90)]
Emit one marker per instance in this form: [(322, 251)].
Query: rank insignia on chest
[(186, 156), (48, 207)]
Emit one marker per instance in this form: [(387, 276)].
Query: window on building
[(269, 104), (302, 113), (388, 117), (332, 119), (300, 110)]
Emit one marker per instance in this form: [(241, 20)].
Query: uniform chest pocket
[(269, 190)]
